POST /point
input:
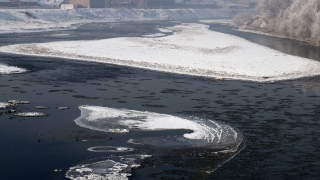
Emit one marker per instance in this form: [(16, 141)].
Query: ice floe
[(30, 114), (14, 102), (208, 133), (192, 49), (4, 105), (110, 149), (5, 69), (115, 168)]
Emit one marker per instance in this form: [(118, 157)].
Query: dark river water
[(280, 121)]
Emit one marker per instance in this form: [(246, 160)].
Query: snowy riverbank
[(192, 49), (28, 20)]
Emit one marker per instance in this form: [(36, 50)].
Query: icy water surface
[(280, 121)]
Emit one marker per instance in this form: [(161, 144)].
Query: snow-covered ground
[(192, 49), (25, 20), (5, 69)]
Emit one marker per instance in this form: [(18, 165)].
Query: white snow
[(5, 69), (24, 20), (192, 49), (102, 118)]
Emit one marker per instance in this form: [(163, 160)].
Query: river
[(279, 121)]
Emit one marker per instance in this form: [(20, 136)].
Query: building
[(51, 3), (6, 3), (140, 3), (89, 3)]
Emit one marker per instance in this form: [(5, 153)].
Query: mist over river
[(277, 123)]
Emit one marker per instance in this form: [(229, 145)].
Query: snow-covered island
[(192, 49)]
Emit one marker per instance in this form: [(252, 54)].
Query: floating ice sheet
[(30, 114), (113, 168), (18, 102), (5, 69), (110, 149), (207, 133), (3, 105)]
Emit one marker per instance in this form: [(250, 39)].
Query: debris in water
[(62, 108)]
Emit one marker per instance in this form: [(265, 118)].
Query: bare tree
[(294, 18)]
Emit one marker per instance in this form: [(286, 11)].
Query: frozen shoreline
[(192, 49), (31, 20)]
